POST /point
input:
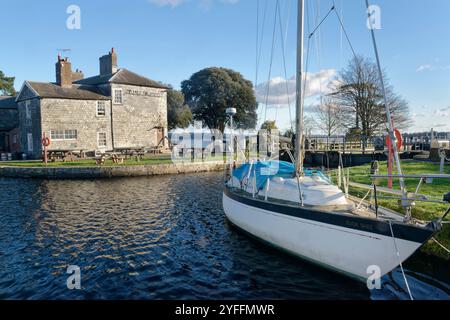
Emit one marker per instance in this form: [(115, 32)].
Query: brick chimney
[(63, 72), (77, 75), (108, 63)]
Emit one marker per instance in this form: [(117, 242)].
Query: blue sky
[(168, 40)]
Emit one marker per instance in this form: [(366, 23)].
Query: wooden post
[(390, 165), (45, 144)]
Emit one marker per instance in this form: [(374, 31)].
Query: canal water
[(161, 238)]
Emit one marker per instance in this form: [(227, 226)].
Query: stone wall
[(80, 115), (108, 172), (135, 120)]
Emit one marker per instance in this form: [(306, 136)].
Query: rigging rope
[(306, 74), (318, 40), (440, 244), (401, 264), (321, 22), (284, 66), (345, 33), (341, 38), (271, 60), (259, 43)]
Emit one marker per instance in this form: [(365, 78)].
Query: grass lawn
[(422, 210), (148, 160), (89, 162)]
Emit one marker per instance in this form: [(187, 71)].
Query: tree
[(328, 118), (289, 133), (269, 126), (358, 91), (7, 85), (178, 113), (211, 91), (308, 127)]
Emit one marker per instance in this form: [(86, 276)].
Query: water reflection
[(153, 238)]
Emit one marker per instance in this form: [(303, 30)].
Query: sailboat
[(301, 212)]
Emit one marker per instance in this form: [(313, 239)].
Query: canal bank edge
[(108, 172)]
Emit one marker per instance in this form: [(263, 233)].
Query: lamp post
[(231, 112)]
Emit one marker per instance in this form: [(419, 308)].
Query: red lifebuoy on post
[(398, 137), (46, 141)]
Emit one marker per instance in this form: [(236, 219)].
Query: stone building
[(117, 109)]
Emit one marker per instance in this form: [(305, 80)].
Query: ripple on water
[(153, 238)]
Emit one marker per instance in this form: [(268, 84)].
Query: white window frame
[(104, 110), (28, 109), (98, 140), (63, 135), (30, 142), (114, 96)]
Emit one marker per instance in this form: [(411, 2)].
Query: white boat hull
[(346, 250)]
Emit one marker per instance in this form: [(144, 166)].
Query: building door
[(160, 136), (7, 143), (30, 142)]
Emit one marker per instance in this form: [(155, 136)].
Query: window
[(30, 142), (63, 135), (14, 139), (117, 96), (57, 135), (70, 135), (28, 109), (101, 139), (101, 108)]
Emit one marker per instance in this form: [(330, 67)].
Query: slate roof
[(76, 92), (123, 76), (7, 102)]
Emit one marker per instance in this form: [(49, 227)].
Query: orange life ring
[(398, 137), (46, 141)]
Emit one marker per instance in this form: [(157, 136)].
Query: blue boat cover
[(265, 170)]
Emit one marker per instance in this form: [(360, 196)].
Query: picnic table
[(65, 155), (138, 152), (116, 158)]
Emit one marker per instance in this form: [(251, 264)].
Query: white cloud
[(442, 112), (426, 118), (425, 67), (430, 67), (278, 94)]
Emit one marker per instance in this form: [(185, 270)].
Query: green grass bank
[(422, 210)]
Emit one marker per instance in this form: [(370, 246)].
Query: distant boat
[(301, 212)]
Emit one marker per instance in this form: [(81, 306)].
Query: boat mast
[(390, 120), (299, 123)]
